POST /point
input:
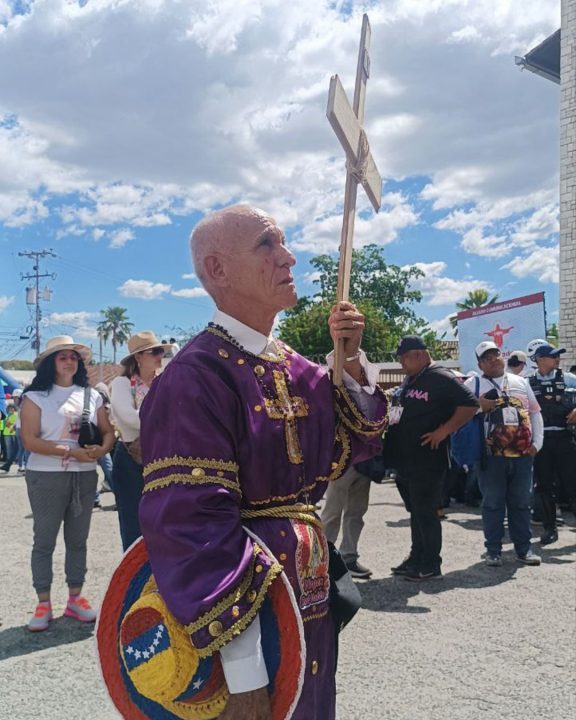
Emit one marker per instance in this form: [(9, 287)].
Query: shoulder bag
[(89, 432)]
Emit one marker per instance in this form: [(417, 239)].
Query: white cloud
[(5, 301), (468, 33), (189, 276), (310, 278), (443, 327), (190, 292), (144, 289), (455, 186), (80, 324), (438, 289), (542, 263), (230, 129), (119, 238), (323, 235)]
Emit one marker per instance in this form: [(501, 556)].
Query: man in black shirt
[(434, 404)]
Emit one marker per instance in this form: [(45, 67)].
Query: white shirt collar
[(251, 340)]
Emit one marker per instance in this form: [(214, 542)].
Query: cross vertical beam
[(360, 167)]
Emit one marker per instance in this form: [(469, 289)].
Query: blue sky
[(123, 122)]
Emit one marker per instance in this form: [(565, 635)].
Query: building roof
[(544, 59)]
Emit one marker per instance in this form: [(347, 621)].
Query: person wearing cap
[(434, 404), (555, 464), (61, 476), (142, 364), (516, 362), (240, 437), (514, 430)]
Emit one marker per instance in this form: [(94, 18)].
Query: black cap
[(548, 351), (410, 342)]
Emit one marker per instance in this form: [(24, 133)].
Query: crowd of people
[(219, 458)]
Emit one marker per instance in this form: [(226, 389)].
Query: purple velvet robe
[(224, 433)]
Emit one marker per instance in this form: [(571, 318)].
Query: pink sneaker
[(41, 618), (80, 609)]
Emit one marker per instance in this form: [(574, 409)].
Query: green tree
[(388, 287), (475, 299), (553, 334), (383, 294), (115, 326)]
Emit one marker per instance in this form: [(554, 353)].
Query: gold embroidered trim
[(181, 479), (316, 616), (363, 426), (280, 357), (244, 621), (344, 439), (284, 498), (230, 599), (178, 460)]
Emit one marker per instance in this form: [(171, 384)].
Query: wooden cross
[(347, 123), (287, 408)]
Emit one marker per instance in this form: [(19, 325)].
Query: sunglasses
[(154, 351)]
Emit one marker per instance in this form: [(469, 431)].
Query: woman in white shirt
[(61, 476), (141, 366)]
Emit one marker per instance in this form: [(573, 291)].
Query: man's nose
[(287, 258)]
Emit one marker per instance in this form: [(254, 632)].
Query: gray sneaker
[(41, 619), (493, 560), (530, 558)]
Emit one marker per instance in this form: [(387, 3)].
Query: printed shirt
[(519, 388)]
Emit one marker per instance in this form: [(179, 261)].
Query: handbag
[(345, 598), (467, 443), (89, 432)]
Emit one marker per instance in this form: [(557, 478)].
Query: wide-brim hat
[(153, 672), (145, 340), (63, 342)]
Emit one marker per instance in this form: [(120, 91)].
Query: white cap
[(484, 346), (17, 392)]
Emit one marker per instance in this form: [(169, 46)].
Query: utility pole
[(36, 256)]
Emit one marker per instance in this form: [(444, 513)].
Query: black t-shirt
[(429, 400)]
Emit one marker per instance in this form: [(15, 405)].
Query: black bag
[(375, 468), (345, 598), (89, 432)]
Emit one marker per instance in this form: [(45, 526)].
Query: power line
[(33, 294)]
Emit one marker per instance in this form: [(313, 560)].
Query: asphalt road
[(481, 644)]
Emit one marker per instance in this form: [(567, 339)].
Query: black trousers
[(421, 490), (555, 468)]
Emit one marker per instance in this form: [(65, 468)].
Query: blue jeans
[(506, 485), (128, 483), (105, 463)]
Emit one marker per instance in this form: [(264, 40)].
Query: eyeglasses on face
[(154, 351)]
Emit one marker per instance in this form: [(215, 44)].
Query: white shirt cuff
[(243, 661), (370, 370)]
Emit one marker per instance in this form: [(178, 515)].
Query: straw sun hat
[(63, 342), (145, 340)]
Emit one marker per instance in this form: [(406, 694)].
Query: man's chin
[(291, 301)]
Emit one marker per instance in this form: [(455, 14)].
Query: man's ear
[(215, 269)]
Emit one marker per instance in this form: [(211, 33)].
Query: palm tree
[(116, 326), (474, 299)]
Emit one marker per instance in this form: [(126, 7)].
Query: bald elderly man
[(238, 424)]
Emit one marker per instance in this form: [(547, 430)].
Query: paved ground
[(482, 644)]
